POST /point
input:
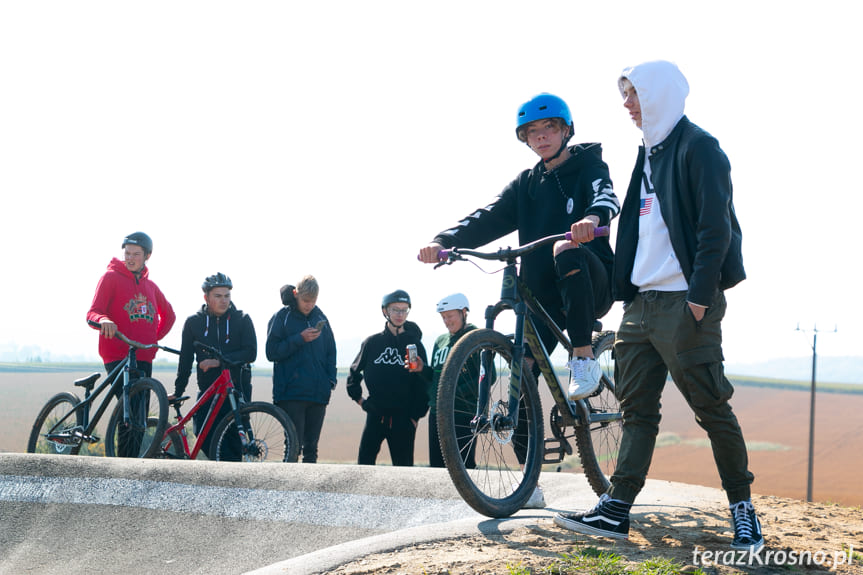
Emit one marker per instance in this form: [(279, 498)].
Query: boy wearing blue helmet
[(569, 189)]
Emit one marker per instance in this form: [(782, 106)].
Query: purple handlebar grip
[(597, 232), (443, 255)]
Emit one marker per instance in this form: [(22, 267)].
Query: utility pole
[(812, 411)]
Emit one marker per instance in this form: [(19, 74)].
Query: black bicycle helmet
[(214, 281), (139, 239), (398, 296)]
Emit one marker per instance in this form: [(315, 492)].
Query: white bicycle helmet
[(454, 301)]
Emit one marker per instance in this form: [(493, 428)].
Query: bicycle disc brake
[(501, 423)]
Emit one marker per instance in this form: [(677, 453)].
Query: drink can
[(412, 356)]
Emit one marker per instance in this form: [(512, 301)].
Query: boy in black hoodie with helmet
[(397, 397), (220, 325)]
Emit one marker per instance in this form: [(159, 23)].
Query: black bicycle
[(64, 425), (489, 413)]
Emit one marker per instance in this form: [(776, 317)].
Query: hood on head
[(662, 91)]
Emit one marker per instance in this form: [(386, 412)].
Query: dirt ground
[(827, 532)]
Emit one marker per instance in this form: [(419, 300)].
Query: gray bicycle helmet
[(398, 296), (217, 280), (139, 239)]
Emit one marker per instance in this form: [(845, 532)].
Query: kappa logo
[(139, 308), (390, 356)]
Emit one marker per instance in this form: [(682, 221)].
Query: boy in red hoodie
[(127, 300)]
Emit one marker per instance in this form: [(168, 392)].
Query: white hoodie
[(662, 91)]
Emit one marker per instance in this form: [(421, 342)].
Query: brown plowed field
[(775, 423)]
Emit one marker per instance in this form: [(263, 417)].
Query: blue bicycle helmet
[(540, 107)]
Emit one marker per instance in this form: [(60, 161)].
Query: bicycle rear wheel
[(46, 422), (148, 403), (270, 436), (598, 444), (494, 465)]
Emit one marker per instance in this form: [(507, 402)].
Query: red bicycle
[(252, 432)]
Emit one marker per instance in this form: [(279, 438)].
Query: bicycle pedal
[(554, 450)]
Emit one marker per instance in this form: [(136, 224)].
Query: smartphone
[(320, 325)]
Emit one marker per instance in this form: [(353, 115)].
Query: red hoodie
[(137, 306)]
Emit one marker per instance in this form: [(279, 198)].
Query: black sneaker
[(610, 518), (747, 528)]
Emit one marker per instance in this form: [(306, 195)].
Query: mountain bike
[(64, 425), (251, 432), (491, 430)]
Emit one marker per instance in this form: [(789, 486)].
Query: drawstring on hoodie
[(227, 328)]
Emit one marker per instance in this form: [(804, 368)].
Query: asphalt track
[(69, 515)]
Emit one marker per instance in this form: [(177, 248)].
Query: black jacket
[(692, 179), (538, 204), (233, 334), (392, 389)]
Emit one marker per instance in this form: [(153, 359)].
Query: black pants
[(399, 432), (129, 440), (464, 440), (308, 419), (580, 298)]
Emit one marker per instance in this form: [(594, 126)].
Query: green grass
[(598, 562)]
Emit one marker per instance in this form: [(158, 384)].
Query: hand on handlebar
[(583, 231), (429, 254), (108, 328), (209, 364)]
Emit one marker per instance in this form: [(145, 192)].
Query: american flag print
[(646, 203)]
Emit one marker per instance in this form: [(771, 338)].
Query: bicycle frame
[(515, 295), (113, 380), (221, 389)]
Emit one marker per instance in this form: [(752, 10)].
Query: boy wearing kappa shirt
[(397, 397)]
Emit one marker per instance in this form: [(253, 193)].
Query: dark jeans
[(658, 335), (308, 419), (129, 440), (399, 432)]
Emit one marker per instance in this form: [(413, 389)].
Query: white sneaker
[(536, 501), (585, 376)]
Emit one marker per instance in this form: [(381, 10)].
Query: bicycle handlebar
[(512, 253), (136, 344), (216, 352)]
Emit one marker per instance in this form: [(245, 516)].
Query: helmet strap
[(563, 143)]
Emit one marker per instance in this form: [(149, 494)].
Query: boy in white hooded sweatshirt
[(678, 249)]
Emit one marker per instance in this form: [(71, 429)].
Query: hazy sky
[(268, 140)]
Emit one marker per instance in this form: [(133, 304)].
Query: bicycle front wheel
[(598, 442), (270, 436), (493, 462), (63, 437), (148, 420)]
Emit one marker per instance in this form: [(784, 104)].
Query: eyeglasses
[(397, 311)]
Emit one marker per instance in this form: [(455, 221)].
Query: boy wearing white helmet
[(453, 310)]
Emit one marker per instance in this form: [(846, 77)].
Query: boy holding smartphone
[(300, 342)]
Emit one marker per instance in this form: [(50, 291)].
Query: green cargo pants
[(658, 335)]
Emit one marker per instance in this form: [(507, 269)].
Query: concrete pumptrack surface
[(63, 514)]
